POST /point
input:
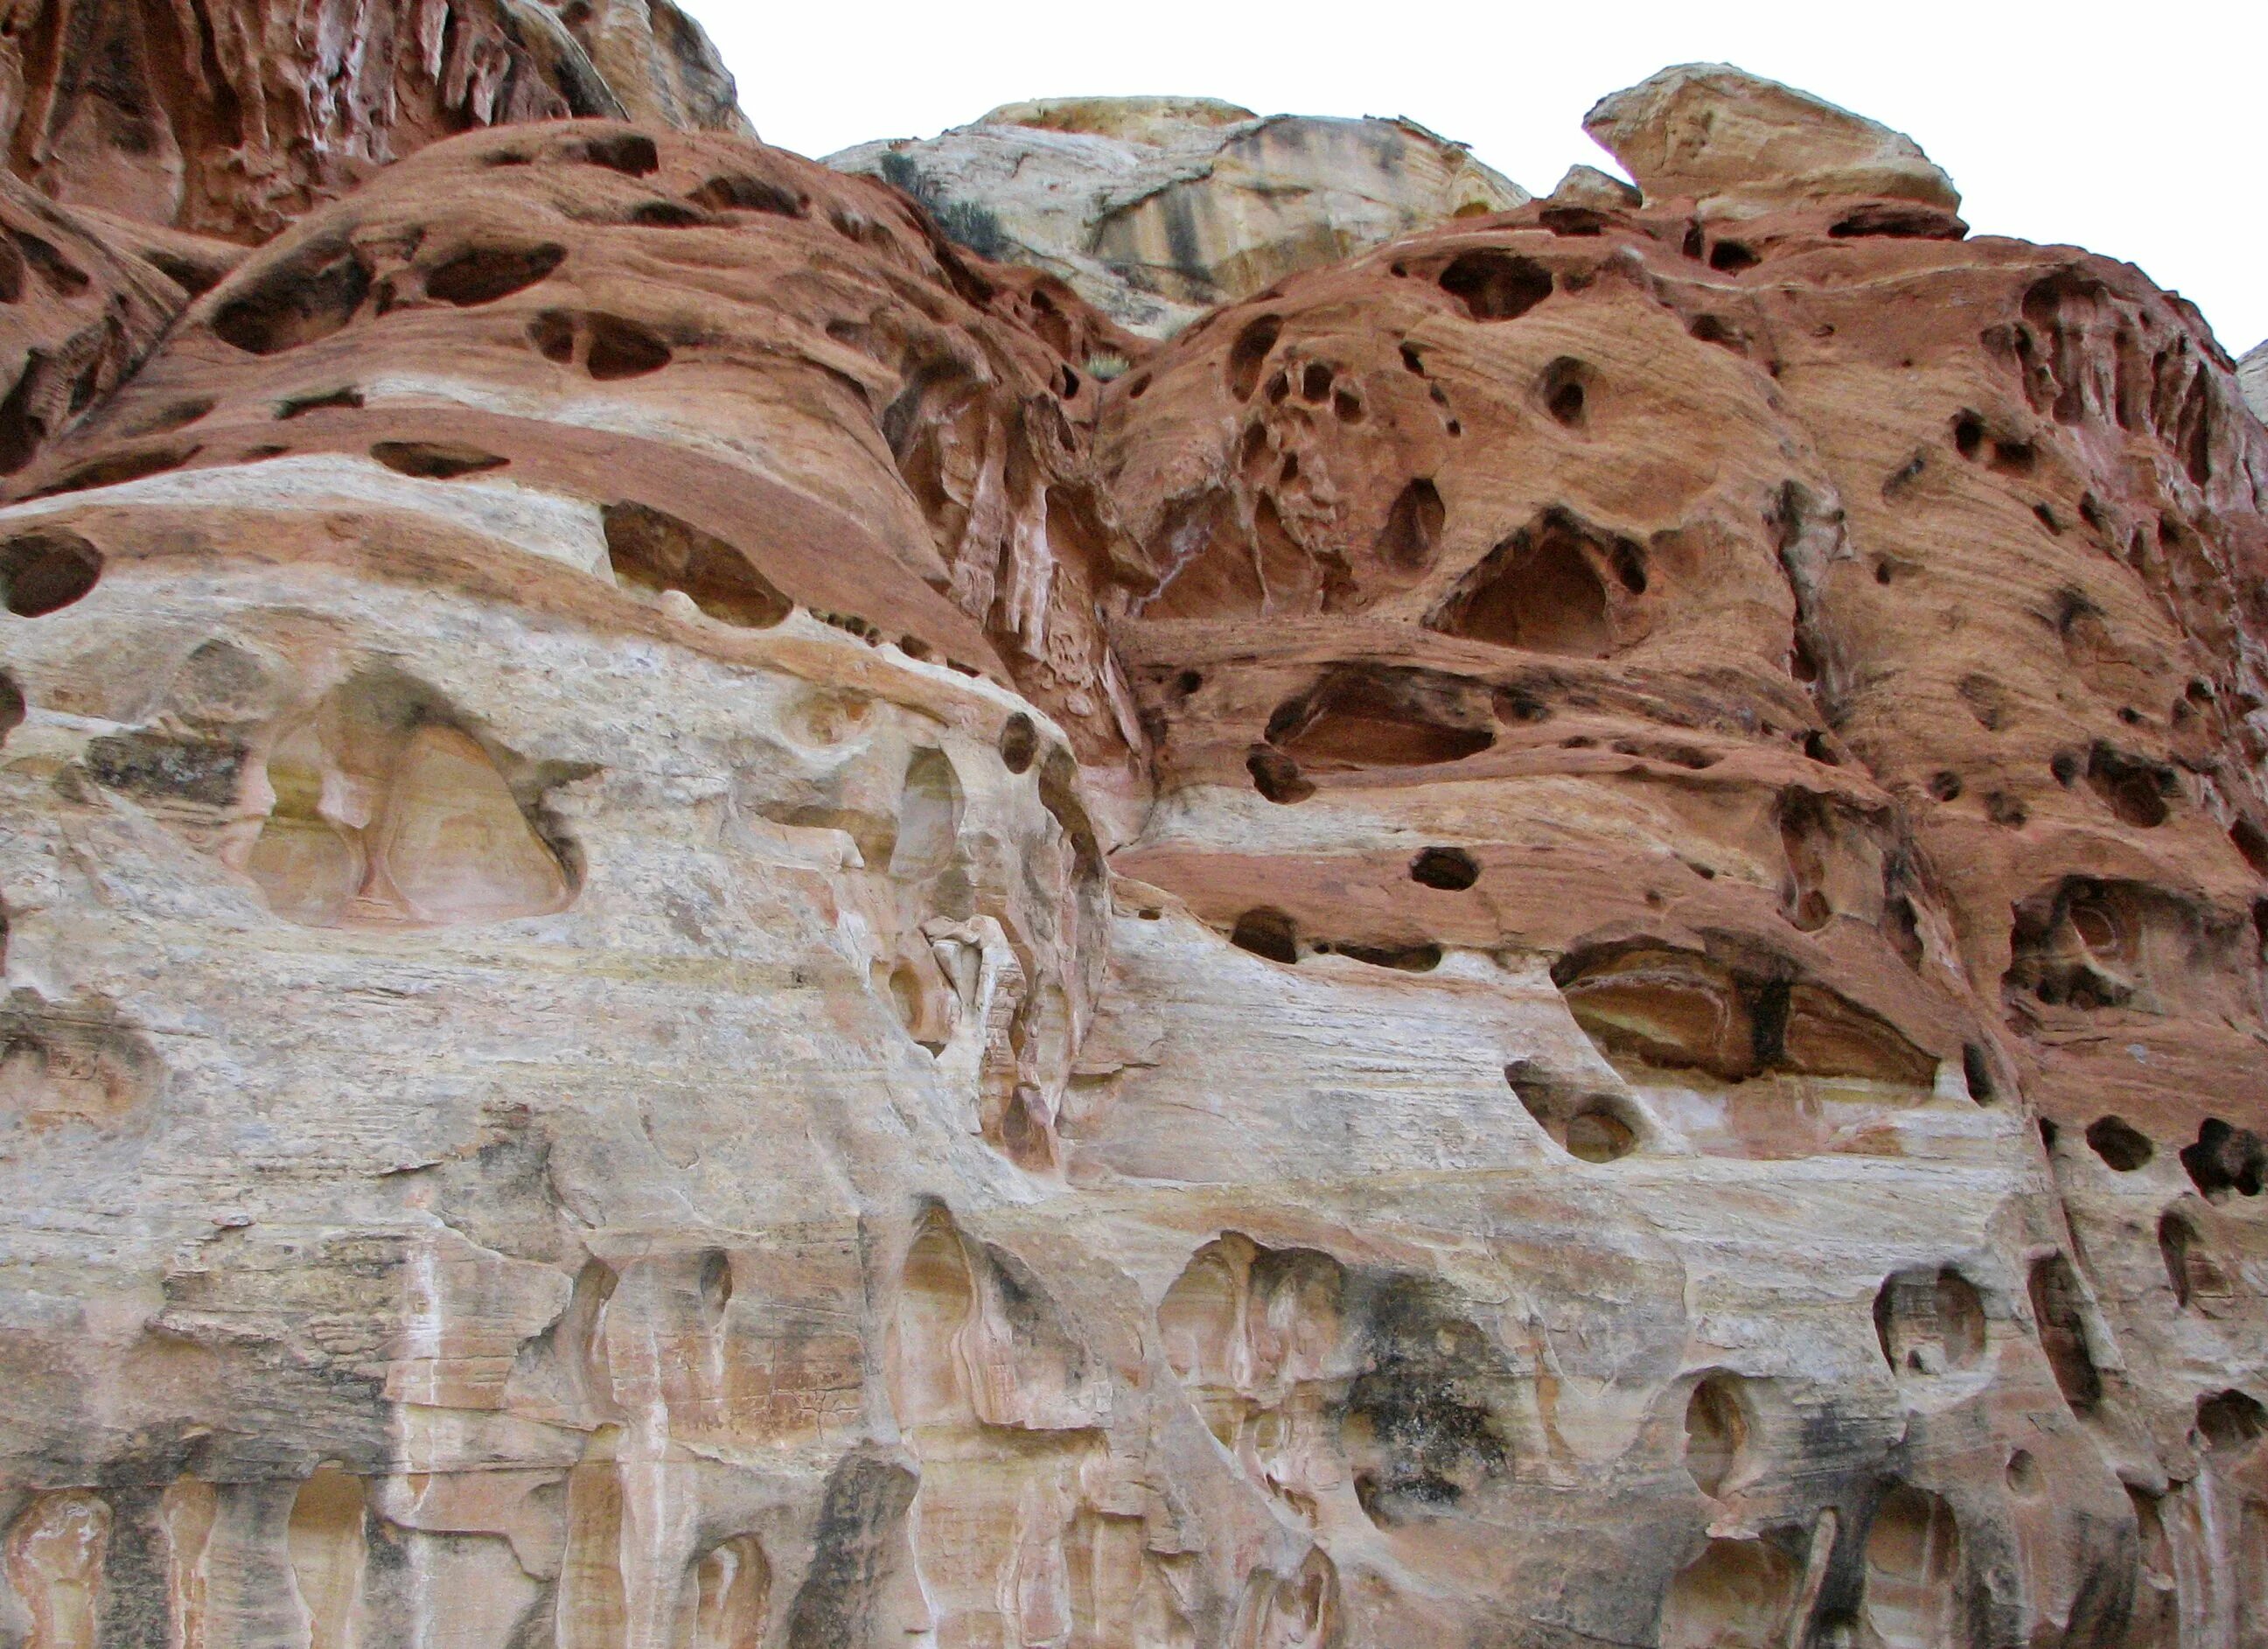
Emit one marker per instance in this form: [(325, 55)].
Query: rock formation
[(2252, 373), (231, 117), (1157, 208), (1554, 937)]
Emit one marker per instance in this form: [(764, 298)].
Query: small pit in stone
[(2121, 1145), (485, 275), (42, 573), (1019, 743), (1496, 286), (1451, 870), (435, 460), (1267, 932)]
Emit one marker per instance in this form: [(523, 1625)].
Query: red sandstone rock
[(231, 119)]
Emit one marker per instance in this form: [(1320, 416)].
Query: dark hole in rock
[(1675, 755), (1408, 959), (1139, 388), (2059, 1306), (1495, 286), (435, 460), (1540, 590), (1250, 353), (1977, 1068), (1412, 361), (1367, 716), (737, 191), (2005, 810), (2063, 767), (668, 215), (179, 415), (307, 296), (2119, 1142), (1267, 932), (2231, 1423), (1412, 532), (655, 550), (484, 274), (1716, 1432), (1730, 257), (1946, 785), (1019, 743), (2016, 456), (2135, 789), (1346, 407), (1717, 330), (11, 706), (11, 272), (1315, 382), (2252, 843), (63, 278), (1188, 683), (2179, 1246), (552, 334), (1898, 221), (1565, 390), (1571, 220), (624, 349), (1817, 748), (1693, 246), (1929, 1321), (2047, 517), (1589, 1127), (1451, 870), (1277, 777), (298, 406), (632, 153), (2225, 1159), (115, 469), (43, 571)]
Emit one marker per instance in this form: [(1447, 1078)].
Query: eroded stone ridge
[(1554, 937), (1157, 208)]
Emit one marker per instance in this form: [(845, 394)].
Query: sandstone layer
[(1158, 208), (231, 117), (1554, 937)]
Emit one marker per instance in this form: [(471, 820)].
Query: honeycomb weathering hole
[(654, 551), (1716, 1433), (1412, 532), (484, 274), (44, 571), (1019, 743), (1451, 870), (2119, 1143), (1929, 1322), (435, 460), (1250, 353), (1542, 590), (1268, 934), (1496, 286), (307, 296), (2058, 1306)]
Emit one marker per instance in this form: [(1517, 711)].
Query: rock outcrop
[(2252, 373), (231, 117), (1157, 208), (1737, 143), (1553, 937)]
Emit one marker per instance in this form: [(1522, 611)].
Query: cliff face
[(231, 117), (1554, 936)]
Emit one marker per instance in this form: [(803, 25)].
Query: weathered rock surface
[(1738, 142), (1555, 938), (1157, 208), (2252, 373), (231, 117)]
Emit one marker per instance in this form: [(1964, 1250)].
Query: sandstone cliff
[(1554, 937), (231, 117), (1157, 208)]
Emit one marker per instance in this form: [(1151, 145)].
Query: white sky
[(2138, 130)]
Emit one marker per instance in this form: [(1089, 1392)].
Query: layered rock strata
[(1554, 937), (1158, 208), (231, 117)]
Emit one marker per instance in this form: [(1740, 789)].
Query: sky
[(2138, 130)]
